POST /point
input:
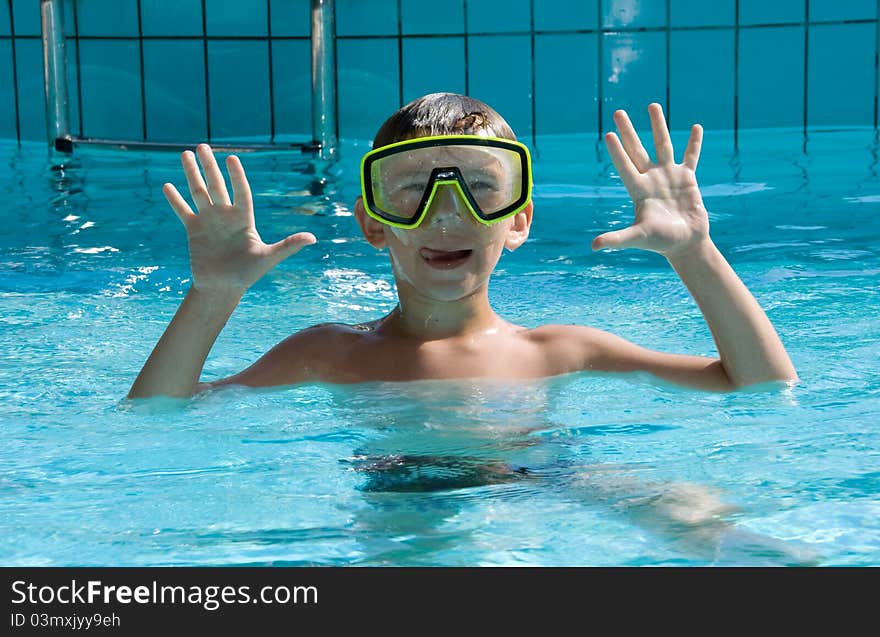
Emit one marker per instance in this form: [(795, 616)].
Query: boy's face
[(450, 255)]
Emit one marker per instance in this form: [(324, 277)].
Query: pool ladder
[(323, 35)]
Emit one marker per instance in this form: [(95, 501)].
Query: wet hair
[(442, 114)]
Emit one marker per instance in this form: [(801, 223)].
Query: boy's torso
[(361, 353)]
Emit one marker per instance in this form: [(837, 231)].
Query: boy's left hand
[(669, 214)]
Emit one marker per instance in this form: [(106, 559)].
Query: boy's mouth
[(445, 259)]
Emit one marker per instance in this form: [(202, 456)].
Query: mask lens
[(399, 183), (493, 176)]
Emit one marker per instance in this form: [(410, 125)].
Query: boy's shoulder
[(548, 335), (596, 349), (560, 331), (566, 335), (326, 335), (335, 346), (341, 352), (330, 336)]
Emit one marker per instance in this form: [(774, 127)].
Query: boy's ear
[(519, 229), (374, 232)]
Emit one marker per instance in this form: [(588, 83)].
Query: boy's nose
[(447, 207)]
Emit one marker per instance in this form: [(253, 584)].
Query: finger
[(695, 143), (625, 168), (290, 246), (619, 238), (197, 188), (178, 204), (662, 141), (631, 142), (216, 184), (241, 189)]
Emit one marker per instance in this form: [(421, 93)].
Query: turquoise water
[(583, 469)]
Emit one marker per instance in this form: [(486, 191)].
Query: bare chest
[(370, 359)]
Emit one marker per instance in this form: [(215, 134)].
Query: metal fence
[(323, 87)]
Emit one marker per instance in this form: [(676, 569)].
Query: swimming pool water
[(561, 471)]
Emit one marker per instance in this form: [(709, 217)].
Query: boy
[(445, 208)]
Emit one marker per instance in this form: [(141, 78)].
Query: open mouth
[(445, 259)]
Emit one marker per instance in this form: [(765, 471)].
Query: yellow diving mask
[(492, 175)]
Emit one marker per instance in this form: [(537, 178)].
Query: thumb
[(619, 238), (290, 246)]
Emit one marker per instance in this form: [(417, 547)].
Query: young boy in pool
[(445, 208)]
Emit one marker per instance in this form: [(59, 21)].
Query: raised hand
[(669, 214), (226, 252)]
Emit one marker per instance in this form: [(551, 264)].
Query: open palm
[(225, 250), (669, 214)]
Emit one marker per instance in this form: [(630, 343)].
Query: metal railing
[(61, 140), (323, 80)]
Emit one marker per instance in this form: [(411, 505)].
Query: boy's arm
[(607, 352), (300, 357), (176, 362), (174, 367), (671, 220), (227, 256), (750, 349)]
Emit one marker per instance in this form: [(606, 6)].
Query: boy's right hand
[(226, 253)]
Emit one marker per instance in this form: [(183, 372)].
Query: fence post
[(55, 76), (324, 77)]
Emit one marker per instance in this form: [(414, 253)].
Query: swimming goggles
[(492, 175)]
